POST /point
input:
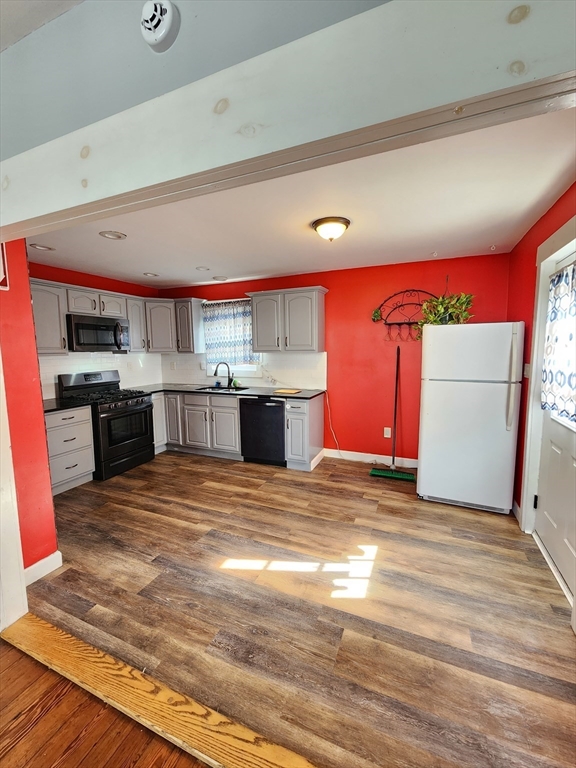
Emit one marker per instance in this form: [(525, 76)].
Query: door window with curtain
[(228, 332), (559, 369)]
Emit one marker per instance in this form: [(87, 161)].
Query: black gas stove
[(121, 419)]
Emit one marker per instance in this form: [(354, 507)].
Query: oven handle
[(112, 414), (118, 335)]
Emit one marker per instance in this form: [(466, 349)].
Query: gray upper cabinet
[(112, 306), (136, 315), (267, 325), (161, 326), (288, 321), (190, 326), (82, 302), (49, 308)]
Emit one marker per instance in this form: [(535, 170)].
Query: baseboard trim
[(552, 565), (370, 458), (159, 449), (42, 568), (211, 737)]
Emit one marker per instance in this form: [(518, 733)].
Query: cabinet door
[(137, 320), (83, 302), (173, 419), (225, 433), (161, 326), (300, 315), (112, 306), (159, 419), (195, 426), (49, 308), (267, 323), (184, 341), (296, 437)]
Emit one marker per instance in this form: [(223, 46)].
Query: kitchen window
[(228, 332)]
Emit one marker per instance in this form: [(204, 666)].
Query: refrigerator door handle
[(514, 357), (511, 409)]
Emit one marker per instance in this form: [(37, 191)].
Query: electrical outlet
[(387, 432), (172, 366), (202, 366)]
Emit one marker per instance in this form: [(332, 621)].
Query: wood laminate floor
[(48, 722), (332, 612)]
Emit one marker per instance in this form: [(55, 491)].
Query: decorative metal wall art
[(400, 312)]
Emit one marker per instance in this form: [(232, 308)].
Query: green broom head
[(393, 474)]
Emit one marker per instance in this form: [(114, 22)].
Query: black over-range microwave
[(88, 333)]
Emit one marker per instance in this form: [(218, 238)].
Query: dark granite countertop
[(56, 404)]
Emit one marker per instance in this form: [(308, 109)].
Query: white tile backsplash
[(135, 369), (306, 370)]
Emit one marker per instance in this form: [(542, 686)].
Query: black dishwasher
[(262, 430)]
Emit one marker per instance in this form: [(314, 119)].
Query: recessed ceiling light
[(492, 247), (222, 278), (434, 253), (203, 269), (150, 274), (112, 235), (41, 247)]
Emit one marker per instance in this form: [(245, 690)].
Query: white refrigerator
[(469, 406)]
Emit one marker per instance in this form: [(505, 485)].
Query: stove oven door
[(124, 432)]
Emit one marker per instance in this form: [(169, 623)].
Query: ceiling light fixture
[(203, 269), (331, 227), (150, 274), (41, 247), (112, 235), (222, 278)]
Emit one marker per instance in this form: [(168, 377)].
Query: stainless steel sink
[(221, 389)]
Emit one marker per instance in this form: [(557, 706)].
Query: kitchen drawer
[(71, 465), (70, 438), (297, 406), (64, 418), (224, 401), (195, 399)]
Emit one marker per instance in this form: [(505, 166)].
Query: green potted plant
[(449, 309)]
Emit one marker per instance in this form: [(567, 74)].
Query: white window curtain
[(559, 370), (228, 331)]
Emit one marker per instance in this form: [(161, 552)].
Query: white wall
[(92, 62)]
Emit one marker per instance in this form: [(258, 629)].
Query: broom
[(393, 473)]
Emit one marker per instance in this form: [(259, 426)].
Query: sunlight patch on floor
[(359, 569)]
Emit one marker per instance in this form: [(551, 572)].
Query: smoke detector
[(160, 23)]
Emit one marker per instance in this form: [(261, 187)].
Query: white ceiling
[(458, 196), (19, 18)]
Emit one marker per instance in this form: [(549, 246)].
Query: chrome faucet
[(230, 375)]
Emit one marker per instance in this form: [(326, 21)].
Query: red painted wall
[(522, 293), (360, 361), (58, 275), (25, 411)]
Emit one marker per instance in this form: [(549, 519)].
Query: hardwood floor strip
[(193, 727)]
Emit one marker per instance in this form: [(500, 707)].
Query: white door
[(161, 325), (49, 309), (266, 323), (466, 453), (475, 352), (556, 511), (300, 321), (137, 321)]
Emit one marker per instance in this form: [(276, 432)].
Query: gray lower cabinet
[(159, 421), (208, 423), (70, 448), (304, 433), (173, 430), (49, 306), (195, 426), (136, 314)]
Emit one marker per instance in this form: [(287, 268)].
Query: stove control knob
[(130, 402)]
